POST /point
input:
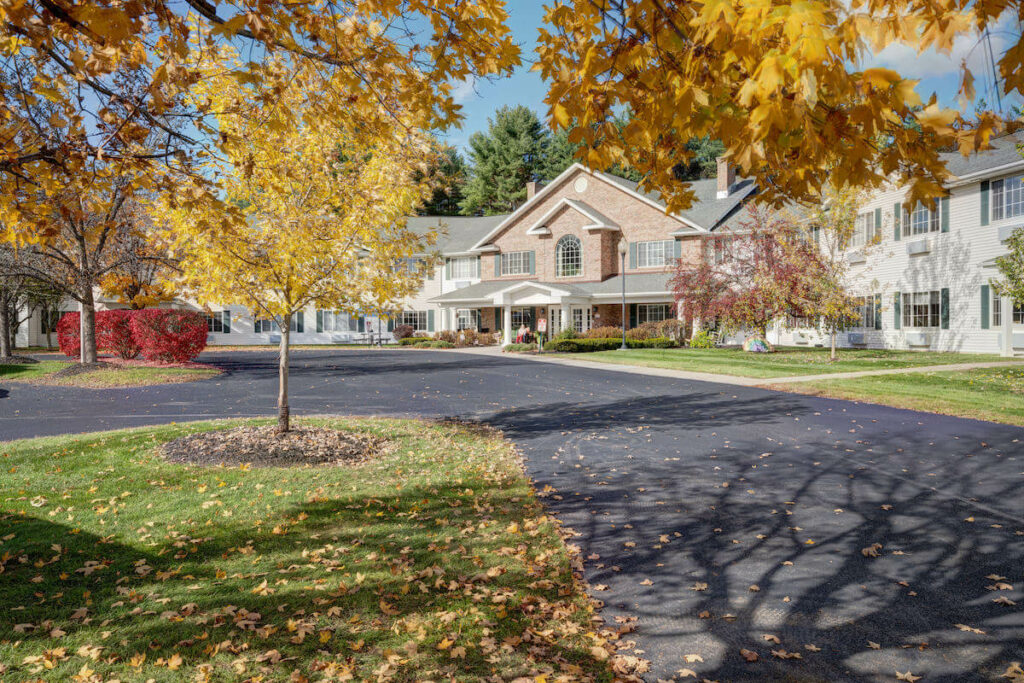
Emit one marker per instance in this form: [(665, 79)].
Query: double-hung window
[(515, 263), (652, 313), (864, 230), (1007, 197), (921, 309), (272, 324), (215, 322), (865, 313), (415, 319), (335, 321), (463, 268), (921, 220), (653, 254), (522, 315)]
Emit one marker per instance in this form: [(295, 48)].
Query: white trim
[(482, 244), (600, 222), (980, 175)]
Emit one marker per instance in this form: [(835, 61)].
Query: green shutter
[(677, 249), (498, 318), (944, 208), (430, 321), (447, 269), (300, 320), (632, 255), (944, 307), (897, 211), (391, 325), (319, 321), (632, 315), (897, 311), (878, 311), (497, 265), (479, 318), (533, 263), (360, 323), (878, 222), (984, 202), (226, 316), (985, 298)]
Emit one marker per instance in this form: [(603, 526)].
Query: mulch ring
[(79, 369), (17, 360), (266, 447)]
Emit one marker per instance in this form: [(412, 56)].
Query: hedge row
[(164, 335), (587, 345)]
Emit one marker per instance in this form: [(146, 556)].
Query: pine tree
[(508, 155), (450, 176)]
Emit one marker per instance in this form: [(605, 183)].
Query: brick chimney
[(726, 177), (531, 189)]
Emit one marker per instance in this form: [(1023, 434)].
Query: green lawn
[(131, 376), (785, 362), (995, 394), (435, 561)]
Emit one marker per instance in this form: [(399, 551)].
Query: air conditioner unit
[(918, 247), (918, 338), (855, 338)]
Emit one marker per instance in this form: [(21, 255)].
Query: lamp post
[(623, 248)]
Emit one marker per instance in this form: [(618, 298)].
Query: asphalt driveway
[(724, 518)]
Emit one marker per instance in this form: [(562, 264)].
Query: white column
[(566, 317), (506, 324), (1006, 314)]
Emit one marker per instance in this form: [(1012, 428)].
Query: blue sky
[(938, 73)]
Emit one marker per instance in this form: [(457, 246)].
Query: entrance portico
[(561, 305)]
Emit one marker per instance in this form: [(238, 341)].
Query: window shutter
[(878, 222), (479, 318), (533, 263), (497, 265), (897, 311), (944, 208), (300, 322), (391, 325), (447, 269), (632, 255), (226, 315), (360, 323), (897, 210), (498, 318), (677, 249), (632, 315), (319, 321), (430, 321), (476, 267), (984, 307), (984, 202), (256, 327), (944, 307)]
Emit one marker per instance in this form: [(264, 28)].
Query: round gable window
[(581, 184)]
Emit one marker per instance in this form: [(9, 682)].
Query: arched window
[(568, 257)]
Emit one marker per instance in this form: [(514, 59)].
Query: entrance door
[(554, 321), (581, 318)]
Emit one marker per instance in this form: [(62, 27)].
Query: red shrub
[(68, 335), (114, 333), (169, 336)]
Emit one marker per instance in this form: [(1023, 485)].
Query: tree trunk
[(833, 352), (88, 328), (283, 416), (5, 327)]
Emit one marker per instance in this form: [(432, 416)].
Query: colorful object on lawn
[(757, 345)]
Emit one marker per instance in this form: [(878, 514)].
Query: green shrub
[(518, 348), (413, 341), (567, 333), (588, 345), (702, 340), (440, 344)]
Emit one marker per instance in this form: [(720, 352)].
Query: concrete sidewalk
[(736, 380)]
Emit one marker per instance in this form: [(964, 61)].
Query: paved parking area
[(725, 518)]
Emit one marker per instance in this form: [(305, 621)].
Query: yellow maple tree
[(318, 208), (776, 81), (119, 78)]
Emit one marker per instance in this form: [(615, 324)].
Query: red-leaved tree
[(747, 278)]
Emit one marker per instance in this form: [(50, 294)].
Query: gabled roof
[(600, 221), (707, 210)]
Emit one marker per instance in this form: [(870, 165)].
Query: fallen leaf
[(749, 655), (907, 677)]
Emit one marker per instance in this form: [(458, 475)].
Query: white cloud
[(464, 90)]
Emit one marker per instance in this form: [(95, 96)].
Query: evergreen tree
[(508, 155), (558, 156), (704, 163), (450, 175)]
